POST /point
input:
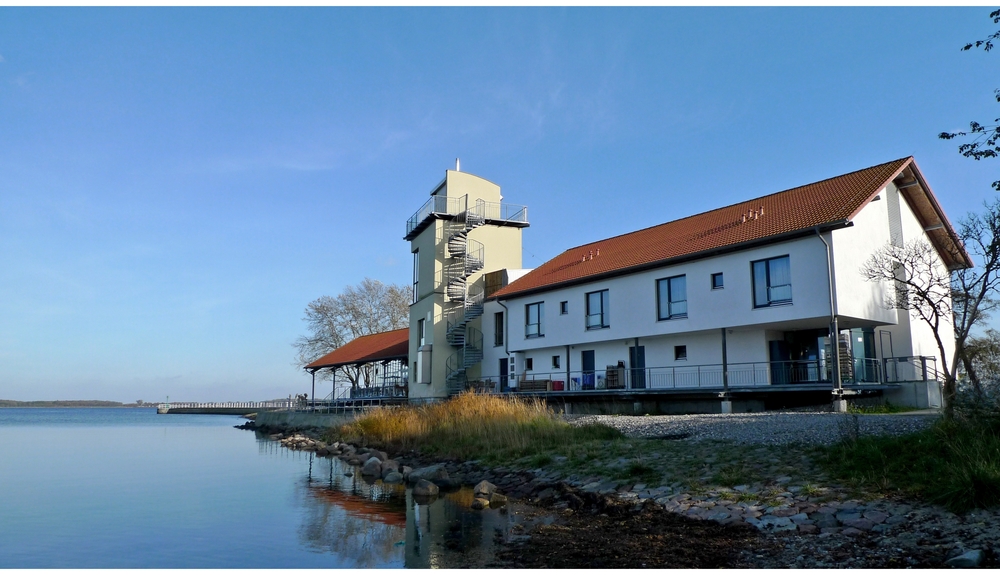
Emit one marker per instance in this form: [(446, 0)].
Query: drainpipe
[(506, 322), (838, 389)]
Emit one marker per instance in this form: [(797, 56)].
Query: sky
[(177, 184)]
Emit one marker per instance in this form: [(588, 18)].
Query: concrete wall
[(301, 420)]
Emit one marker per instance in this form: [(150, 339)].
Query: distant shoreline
[(70, 403)]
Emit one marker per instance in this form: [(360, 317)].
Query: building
[(461, 232), (737, 302)]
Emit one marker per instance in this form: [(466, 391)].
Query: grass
[(876, 409), (954, 463), (472, 426)]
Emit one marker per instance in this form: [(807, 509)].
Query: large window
[(416, 273), (772, 282), (671, 298), (597, 309), (498, 328), (533, 313)]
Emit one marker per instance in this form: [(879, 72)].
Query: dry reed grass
[(469, 426)]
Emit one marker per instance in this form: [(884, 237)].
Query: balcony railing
[(444, 205), (740, 375), (492, 212), (497, 212)]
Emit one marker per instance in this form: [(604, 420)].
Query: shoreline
[(815, 526)]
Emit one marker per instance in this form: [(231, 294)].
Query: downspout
[(838, 390), (506, 322)]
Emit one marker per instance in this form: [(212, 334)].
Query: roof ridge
[(736, 204)]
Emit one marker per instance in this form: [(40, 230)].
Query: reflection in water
[(372, 524)]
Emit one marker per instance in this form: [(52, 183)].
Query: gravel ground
[(767, 428)]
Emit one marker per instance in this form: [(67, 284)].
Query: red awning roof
[(826, 203), (367, 349)]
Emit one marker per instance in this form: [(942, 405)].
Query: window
[(597, 309), (772, 282), (420, 332), (416, 273), (671, 298), (717, 281), (529, 363), (563, 307), (533, 319), (555, 362), (680, 352), (498, 328)]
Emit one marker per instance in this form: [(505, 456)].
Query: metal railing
[(275, 404), (501, 212), (861, 371), (451, 206), (913, 368)]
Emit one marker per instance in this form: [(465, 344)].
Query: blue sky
[(177, 184)]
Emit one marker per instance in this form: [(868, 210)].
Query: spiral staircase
[(466, 257)]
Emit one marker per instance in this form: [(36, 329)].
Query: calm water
[(125, 488)]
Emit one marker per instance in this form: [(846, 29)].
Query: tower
[(462, 232)]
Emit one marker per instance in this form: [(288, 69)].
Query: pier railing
[(274, 404)]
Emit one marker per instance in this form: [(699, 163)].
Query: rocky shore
[(790, 521)]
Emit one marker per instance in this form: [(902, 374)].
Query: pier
[(225, 408)]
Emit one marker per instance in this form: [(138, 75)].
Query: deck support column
[(313, 404)]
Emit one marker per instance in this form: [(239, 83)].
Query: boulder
[(967, 560), (322, 452), (372, 467), (497, 500), (405, 470), (432, 473), (425, 488), (484, 488), (389, 466), (479, 503), (393, 477)]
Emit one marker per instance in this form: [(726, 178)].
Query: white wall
[(851, 247), (632, 305)]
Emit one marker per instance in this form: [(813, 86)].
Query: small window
[(597, 310), (533, 313), (717, 281), (680, 352), (421, 331), (416, 275), (498, 329), (671, 298), (772, 282), (555, 362), (563, 307), (529, 364)]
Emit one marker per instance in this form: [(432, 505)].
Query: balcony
[(437, 207), (444, 207), (739, 375)]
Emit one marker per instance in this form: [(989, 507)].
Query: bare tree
[(963, 298), (921, 285), (368, 308)]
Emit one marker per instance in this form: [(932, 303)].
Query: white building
[(736, 300)]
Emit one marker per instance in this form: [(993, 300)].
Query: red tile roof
[(825, 203), (368, 348)]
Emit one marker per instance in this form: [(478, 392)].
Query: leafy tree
[(985, 138), (367, 308)]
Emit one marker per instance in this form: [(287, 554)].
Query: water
[(127, 488)]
